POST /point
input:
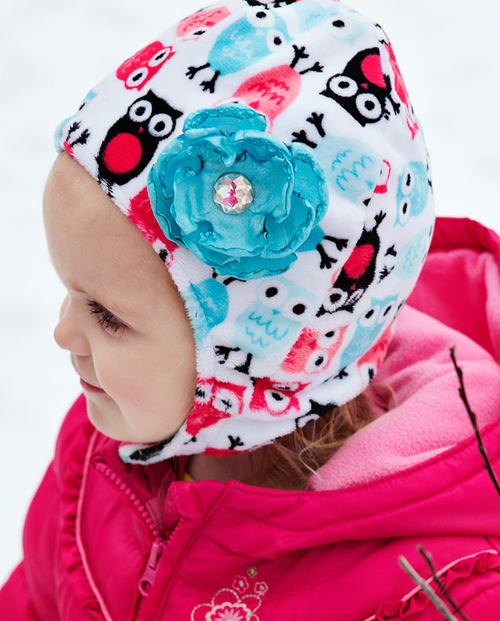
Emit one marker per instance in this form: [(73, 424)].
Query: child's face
[(123, 319)]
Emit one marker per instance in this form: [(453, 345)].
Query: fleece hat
[(270, 154)]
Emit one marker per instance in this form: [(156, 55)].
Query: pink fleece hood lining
[(427, 416)]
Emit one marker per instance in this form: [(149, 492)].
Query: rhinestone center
[(233, 193)]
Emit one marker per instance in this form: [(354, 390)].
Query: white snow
[(53, 51)]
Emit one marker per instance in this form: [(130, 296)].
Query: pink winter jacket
[(105, 540)]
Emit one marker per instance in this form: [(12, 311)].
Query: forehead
[(93, 246)]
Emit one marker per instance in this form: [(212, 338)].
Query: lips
[(90, 387), (85, 384)]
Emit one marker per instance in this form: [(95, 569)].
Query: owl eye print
[(369, 326), (363, 89), (250, 39), (273, 321), (140, 68), (132, 141), (357, 275), (346, 24), (413, 192), (274, 398), (213, 402), (314, 351)]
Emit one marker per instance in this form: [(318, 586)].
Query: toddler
[(240, 214)]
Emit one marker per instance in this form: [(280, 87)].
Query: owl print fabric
[(270, 154)]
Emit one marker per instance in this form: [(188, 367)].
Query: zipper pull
[(148, 577)]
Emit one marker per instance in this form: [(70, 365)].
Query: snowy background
[(53, 51)]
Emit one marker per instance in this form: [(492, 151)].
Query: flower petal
[(227, 118), (290, 194), (310, 180)]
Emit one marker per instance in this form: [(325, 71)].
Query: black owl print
[(132, 141), (358, 273), (363, 89)]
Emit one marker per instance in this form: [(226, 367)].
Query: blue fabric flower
[(290, 193)]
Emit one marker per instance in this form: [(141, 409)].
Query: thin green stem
[(417, 578), (441, 588)]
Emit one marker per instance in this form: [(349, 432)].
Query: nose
[(68, 333)]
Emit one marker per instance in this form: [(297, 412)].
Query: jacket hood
[(456, 303), (415, 471)]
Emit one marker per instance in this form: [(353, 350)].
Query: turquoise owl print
[(257, 34), (351, 166), (369, 326), (341, 22), (411, 257), (274, 319), (413, 192), (210, 300)]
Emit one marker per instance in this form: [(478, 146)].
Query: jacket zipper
[(148, 576)]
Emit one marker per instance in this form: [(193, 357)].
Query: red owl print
[(270, 92), (376, 354), (214, 401), (141, 67), (194, 26), (402, 92), (314, 351), (142, 216), (275, 398)]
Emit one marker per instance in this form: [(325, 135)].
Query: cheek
[(121, 378), (150, 386)]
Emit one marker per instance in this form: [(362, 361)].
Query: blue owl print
[(342, 22), (251, 38), (310, 14), (345, 24), (370, 324), (351, 166), (208, 303), (413, 192), (411, 257), (275, 318)]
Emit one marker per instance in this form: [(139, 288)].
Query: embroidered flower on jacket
[(240, 199), (261, 588), (240, 583), (230, 605)]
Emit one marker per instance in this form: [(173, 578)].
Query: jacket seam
[(486, 432), (490, 543), (474, 246), (468, 600), (390, 509), (180, 508)]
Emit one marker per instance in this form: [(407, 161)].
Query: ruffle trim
[(416, 601), (72, 485)]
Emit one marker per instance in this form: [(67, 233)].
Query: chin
[(107, 420)]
